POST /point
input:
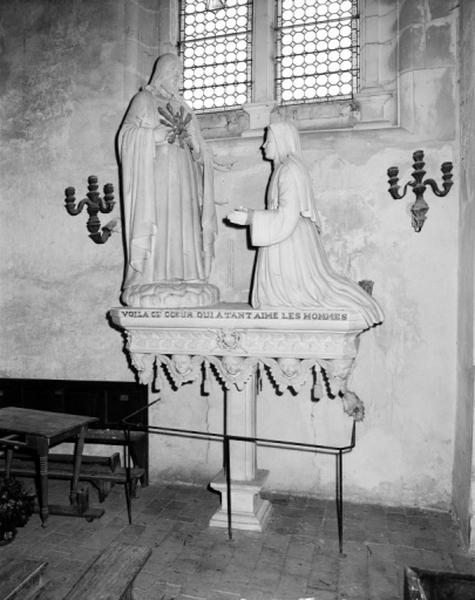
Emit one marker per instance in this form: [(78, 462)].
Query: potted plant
[(16, 507)]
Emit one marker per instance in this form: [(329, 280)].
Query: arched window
[(216, 46), (315, 50)]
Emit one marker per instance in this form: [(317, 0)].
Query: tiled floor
[(296, 557)]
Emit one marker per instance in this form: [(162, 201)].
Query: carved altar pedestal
[(236, 343)]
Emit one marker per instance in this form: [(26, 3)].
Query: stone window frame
[(374, 106)]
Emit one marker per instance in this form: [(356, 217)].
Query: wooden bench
[(136, 445), (110, 462), (111, 575), (102, 472), (21, 579)]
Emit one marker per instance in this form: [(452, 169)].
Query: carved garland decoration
[(331, 375)]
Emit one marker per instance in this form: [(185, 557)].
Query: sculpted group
[(170, 217)]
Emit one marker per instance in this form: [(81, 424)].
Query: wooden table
[(41, 430)]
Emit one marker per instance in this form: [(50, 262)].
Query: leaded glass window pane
[(215, 43), (317, 50)]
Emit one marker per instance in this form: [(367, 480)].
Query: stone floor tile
[(257, 595), (439, 561), (463, 563), (408, 556), (276, 541), (247, 556), (353, 591), (233, 578), (322, 595), (291, 586), (285, 525), (265, 578), (355, 533), (396, 519), (272, 555), (353, 572), (201, 584), (297, 556), (223, 595), (376, 536), (302, 547), (399, 537), (383, 573), (325, 572), (214, 561), (173, 576), (320, 505), (297, 566), (451, 541), (309, 528), (169, 591), (155, 592), (291, 512)]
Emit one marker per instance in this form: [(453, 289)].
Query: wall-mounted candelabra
[(420, 207), (95, 204)]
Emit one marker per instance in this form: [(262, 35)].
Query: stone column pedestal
[(250, 512)]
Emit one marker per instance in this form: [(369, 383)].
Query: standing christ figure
[(169, 213)]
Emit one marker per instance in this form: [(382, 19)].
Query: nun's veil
[(289, 150)]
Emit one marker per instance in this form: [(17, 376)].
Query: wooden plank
[(20, 579), (118, 476), (111, 575), (112, 460), (88, 461)]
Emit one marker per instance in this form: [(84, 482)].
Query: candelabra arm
[(435, 188), (393, 180), (394, 191), (104, 205), (73, 209)]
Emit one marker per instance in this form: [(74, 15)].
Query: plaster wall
[(463, 455), (70, 68)]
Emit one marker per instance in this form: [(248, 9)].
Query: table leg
[(41, 446), (8, 462), (78, 448)]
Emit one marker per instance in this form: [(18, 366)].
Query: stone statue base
[(171, 295), (250, 512)]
